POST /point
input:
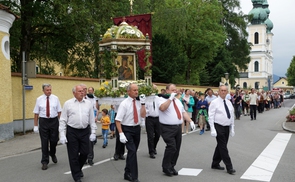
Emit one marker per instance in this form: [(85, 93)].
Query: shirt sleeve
[(92, 120), (120, 112), (63, 119), (36, 108), (211, 113)]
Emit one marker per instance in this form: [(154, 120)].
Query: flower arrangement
[(106, 89), (291, 116)]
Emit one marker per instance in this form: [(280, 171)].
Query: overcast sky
[(282, 14)]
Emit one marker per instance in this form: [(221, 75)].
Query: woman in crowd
[(188, 102)]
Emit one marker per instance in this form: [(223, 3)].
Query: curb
[(287, 129)]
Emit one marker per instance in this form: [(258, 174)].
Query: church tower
[(260, 68)]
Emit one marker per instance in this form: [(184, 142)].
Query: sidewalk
[(31, 141), (25, 143), (289, 126)]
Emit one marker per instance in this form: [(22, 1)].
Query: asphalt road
[(251, 140)]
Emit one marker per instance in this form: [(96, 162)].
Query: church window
[(256, 66), (256, 38), (244, 85), (257, 85)]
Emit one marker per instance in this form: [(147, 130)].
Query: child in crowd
[(105, 122), (112, 114), (202, 117)]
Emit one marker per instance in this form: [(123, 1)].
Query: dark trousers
[(120, 147), (132, 134), (237, 111), (172, 136), (91, 151), (91, 147), (253, 111), (221, 152), (48, 130), (78, 149), (260, 107), (152, 126)]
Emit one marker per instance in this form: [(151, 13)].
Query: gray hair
[(129, 86), (168, 86), (45, 85)]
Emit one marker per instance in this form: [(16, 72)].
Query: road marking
[(107, 160), (97, 163), (264, 166), (189, 172)]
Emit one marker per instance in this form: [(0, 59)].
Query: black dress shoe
[(231, 171), (127, 177), (152, 156), (217, 167), (168, 172), (122, 157), (175, 173), (44, 166), (54, 159), (90, 162), (135, 180), (116, 157)]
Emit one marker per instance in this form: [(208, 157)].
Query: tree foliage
[(291, 73), (194, 42)]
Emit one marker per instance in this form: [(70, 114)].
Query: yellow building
[(6, 120), (282, 83)]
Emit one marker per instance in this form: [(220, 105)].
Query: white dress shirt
[(253, 98), (125, 112), (54, 104), (210, 99), (93, 101), (169, 116), (77, 115), (151, 108), (217, 113)]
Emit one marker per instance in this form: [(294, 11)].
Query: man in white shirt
[(171, 115), (47, 110), (128, 120), (253, 103), (77, 120), (152, 127), (221, 120), (209, 98)]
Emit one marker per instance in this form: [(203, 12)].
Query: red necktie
[(177, 110), (135, 112), (47, 107)]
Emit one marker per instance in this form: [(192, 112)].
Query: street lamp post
[(226, 78)]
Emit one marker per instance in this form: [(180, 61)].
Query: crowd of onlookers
[(197, 103)]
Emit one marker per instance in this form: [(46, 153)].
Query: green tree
[(291, 73), (166, 59), (195, 27)]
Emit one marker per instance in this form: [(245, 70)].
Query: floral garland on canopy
[(106, 89)]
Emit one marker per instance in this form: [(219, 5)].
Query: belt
[(131, 126), (171, 124), (153, 117), (48, 118)]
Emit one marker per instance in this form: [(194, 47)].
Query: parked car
[(292, 96), (287, 96)]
